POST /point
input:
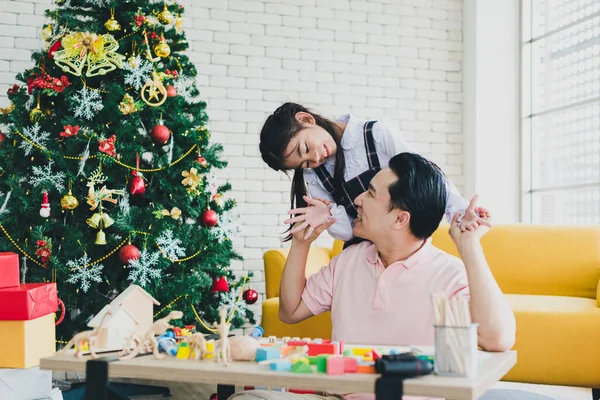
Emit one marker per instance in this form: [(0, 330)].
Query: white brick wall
[(399, 59)]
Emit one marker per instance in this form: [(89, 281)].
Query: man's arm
[(293, 280), (489, 307)]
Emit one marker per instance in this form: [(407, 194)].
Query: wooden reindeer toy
[(81, 338), (148, 342), (198, 347), (222, 348)]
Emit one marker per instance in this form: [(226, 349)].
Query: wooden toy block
[(350, 364), (360, 351), (335, 365), (295, 343), (272, 339), (281, 365), (267, 353), (300, 367), (366, 369), (286, 349), (314, 349), (321, 363), (285, 340)]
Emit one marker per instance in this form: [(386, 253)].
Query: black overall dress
[(347, 192)]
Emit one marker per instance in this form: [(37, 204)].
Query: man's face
[(374, 218)]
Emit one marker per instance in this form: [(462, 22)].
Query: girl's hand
[(473, 216), (317, 213), (482, 225)]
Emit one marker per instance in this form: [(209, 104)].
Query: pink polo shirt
[(374, 305)]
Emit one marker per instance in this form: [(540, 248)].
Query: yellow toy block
[(183, 351), (27, 341), (210, 346), (361, 351)]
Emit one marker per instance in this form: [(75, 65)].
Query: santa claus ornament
[(45, 210)]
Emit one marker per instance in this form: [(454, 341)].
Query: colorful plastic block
[(350, 364), (339, 347), (267, 353), (317, 341), (281, 365), (314, 349), (335, 365), (295, 343), (376, 354), (322, 363), (360, 351), (210, 347), (300, 367), (366, 369), (348, 353)]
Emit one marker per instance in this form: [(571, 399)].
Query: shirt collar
[(354, 129), (422, 253)]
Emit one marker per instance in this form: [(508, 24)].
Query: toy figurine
[(86, 336), (148, 342), (197, 344), (222, 349)]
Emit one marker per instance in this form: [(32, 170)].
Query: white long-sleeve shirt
[(388, 143)]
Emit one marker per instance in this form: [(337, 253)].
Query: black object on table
[(394, 369)]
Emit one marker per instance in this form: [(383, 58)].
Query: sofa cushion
[(315, 327), (557, 340)]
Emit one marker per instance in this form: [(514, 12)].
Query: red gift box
[(28, 301), (9, 270)]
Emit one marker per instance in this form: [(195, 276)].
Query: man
[(379, 291)]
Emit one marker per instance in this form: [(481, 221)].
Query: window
[(561, 111)]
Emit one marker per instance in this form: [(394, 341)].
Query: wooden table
[(492, 368)]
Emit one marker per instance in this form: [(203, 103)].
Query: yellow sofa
[(550, 275)]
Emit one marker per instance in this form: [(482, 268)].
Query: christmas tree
[(107, 174)]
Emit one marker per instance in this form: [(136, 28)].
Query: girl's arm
[(395, 144)]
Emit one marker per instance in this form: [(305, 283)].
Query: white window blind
[(561, 111)]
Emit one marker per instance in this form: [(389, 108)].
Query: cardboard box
[(28, 301), (26, 384), (9, 269), (25, 342)]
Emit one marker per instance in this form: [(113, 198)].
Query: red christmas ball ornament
[(160, 134), (128, 252), (250, 296), (171, 91), (2, 138), (209, 218), (220, 285)]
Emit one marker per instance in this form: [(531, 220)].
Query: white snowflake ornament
[(35, 136), (170, 246), (84, 272), (45, 177), (89, 102), (230, 300), (141, 268), (137, 71), (228, 225)]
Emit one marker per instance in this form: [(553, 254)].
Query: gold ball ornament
[(69, 202), (47, 33), (112, 25), (166, 16), (162, 50)]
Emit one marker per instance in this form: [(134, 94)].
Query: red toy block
[(315, 349), (376, 355), (350, 364), (9, 270), (295, 343), (335, 365)]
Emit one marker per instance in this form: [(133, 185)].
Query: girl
[(333, 163)]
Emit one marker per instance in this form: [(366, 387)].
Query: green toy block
[(322, 362), (348, 353), (312, 360), (300, 367)]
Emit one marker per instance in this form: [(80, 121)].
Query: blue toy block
[(393, 351), (281, 365), (267, 353)]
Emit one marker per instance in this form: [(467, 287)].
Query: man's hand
[(310, 234), (312, 217), (478, 225)]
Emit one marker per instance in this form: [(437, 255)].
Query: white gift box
[(27, 384)]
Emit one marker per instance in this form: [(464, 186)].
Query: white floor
[(556, 392)]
